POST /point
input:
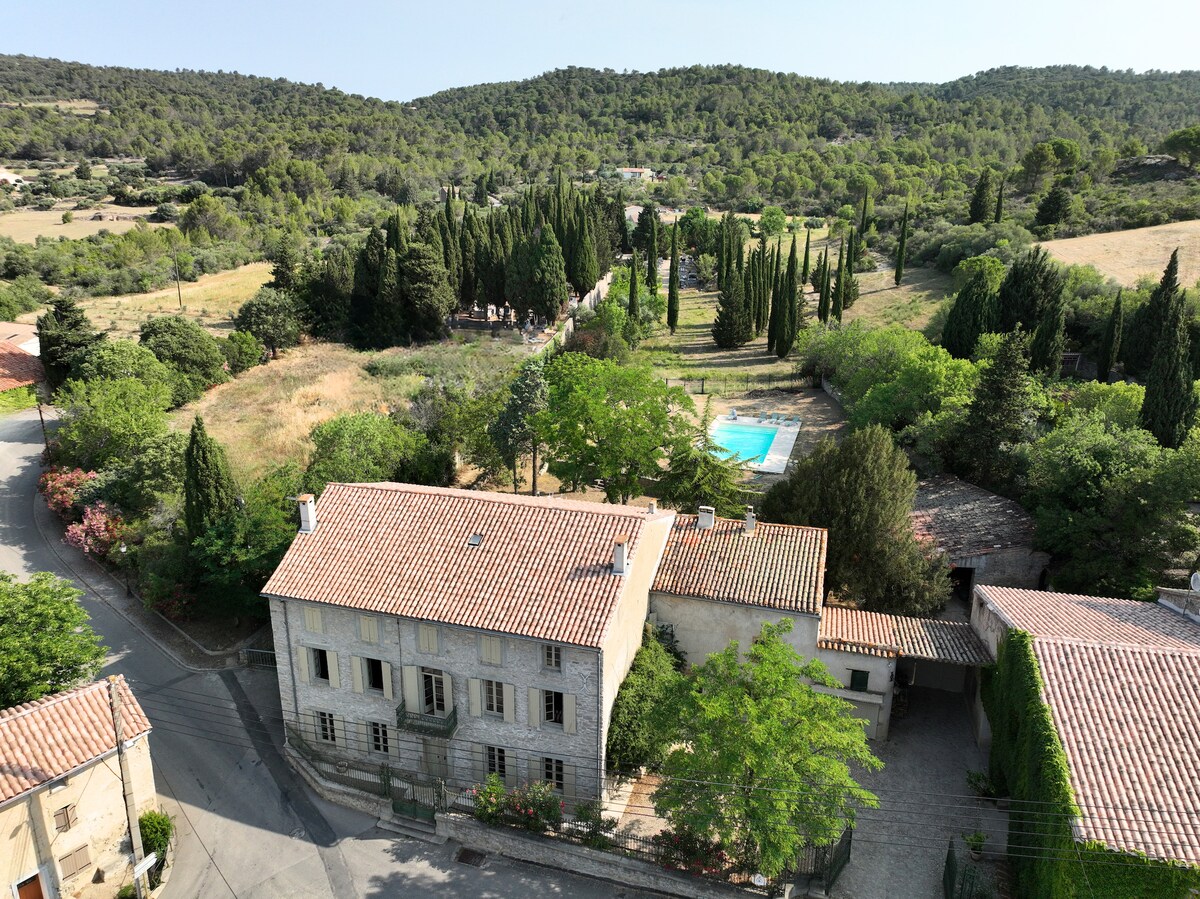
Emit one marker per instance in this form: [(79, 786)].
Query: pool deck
[(780, 451)]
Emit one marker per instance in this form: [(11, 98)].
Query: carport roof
[(890, 636)]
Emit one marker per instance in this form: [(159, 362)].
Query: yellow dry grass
[(211, 301), (912, 304), (74, 107), (263, 417), (27, 225), (1127, 256)]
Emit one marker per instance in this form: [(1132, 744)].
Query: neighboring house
[(18, 367), (721, 579), (987, 539), (456, 633), (870, 653), (63, 823), (1122, 681), (636, 174)]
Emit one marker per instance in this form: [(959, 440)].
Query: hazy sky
[(402, 50)]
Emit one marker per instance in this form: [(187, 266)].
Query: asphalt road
[(247, 826)]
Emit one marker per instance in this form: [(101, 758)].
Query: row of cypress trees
[(759, 294)]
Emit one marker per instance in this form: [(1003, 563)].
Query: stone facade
[(704, 626)]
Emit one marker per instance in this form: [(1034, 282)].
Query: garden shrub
[(592, 826), (536, 807), (61, 487), (684, 849), (490, 800), (99, 530)]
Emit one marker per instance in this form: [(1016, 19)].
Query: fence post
[(702, 387)]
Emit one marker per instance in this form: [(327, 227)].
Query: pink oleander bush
[(60, 486), (98, 532), (686, 850)]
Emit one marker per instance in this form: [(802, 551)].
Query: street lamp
[(125, 566)]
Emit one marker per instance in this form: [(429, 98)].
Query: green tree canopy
[(771, 221), (360, 447), (760, 759), (109, 420), (634, 740), (974, 312), (698, 475), (64, 330), (513, 430), (183, 345), (734, 326), (46, 642), (273, 317), (209, 492), (114, 359), (1184, 145), (862, 491), (1169, 410)]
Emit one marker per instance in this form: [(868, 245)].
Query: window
[(427, 638), (552, 707), (552, 772), (434, 691), (497, 763), (312, 620), (552, 657), (859, 680), (491, 650), (320, 664), (326, 727), (493, 697), (368, 628), (474, 540), (65, 818), (74, 862), (379, 737), (374, 672)]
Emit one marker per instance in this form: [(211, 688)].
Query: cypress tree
[(1033, 281), (973, 314), (805, 271), (1000, 199), (425, 292), (862, 223), (839, 291), (633, 309), (673, 281), (823, 298), (789, 309), (732, 327), (999, 417), (1110, 343), (209, 494), (585, 271), (1169, 408), (652, 257), (902, 246), (63, 331), (1048, 338), (981, 200)]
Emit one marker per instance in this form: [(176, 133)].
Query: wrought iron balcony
[(433, 725)]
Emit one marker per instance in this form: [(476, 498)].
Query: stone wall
[(703, 627), (1015, 566)]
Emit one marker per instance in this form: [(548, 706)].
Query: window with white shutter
[(312, 620), (491, 650), (427, 638), (368, 628)]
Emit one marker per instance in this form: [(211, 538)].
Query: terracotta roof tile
[(1101, 619), (17, 367), (778, 566), (964, 520), (543, 569), (872, 633), (1129, 721), (52, 736)]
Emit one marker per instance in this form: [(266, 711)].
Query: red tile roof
[(1129, 721), (964, 520), (543, 569), (1101, 619), (52, 736), (779, 566), (17, 367), (872, 633)]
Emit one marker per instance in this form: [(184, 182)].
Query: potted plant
[(975, 843)]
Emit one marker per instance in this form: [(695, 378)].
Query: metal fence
[(735, 383), (259, 658), (959, 881)]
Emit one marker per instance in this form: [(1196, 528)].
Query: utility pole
[(135, 833), (175, 259)]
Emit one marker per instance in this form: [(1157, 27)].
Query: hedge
[(1028, 762)]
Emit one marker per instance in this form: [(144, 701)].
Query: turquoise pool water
[(750, 443)]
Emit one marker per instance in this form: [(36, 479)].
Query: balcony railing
[(433, 725)]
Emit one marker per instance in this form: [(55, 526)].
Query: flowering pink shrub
[(98, 531), (60, 486)]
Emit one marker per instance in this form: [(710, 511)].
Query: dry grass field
[(75, 107), (912, 304), (1127, 256), (27, 225), (212, 300)]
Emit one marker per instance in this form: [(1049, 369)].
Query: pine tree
[(1000, 200), (209, 493), (981, 200), (973, 314), (733, 327), (1048, 339), (633, 310), (999, 418), (902, 246), (63, 331), (673, 281), (1169, 407), (1110, 343)]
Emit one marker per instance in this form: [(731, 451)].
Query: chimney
[(707, 518), (308, 512), (653, 508), (750, 519), (620, 551)]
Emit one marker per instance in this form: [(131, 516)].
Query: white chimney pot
[(620, 553), (750, 519), (308, 513), (707, 518)]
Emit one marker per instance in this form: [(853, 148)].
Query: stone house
[(458, 633), (63, 822)]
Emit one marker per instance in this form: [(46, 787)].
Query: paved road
[(247, 825)]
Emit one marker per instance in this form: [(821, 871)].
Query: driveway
[(899, 849), (247, 826)]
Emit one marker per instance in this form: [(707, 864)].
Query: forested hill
[(736, 136)]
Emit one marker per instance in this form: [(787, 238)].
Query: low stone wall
[(567, 856)]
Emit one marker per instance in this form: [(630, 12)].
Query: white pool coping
[(780, 450)]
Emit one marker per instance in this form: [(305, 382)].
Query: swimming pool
[(757, 445)]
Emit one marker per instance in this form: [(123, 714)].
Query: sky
[(404, 50)]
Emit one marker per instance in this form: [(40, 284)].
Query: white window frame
[(379, 732), (325, 727), (435, 676), (551, 653), (495, 761)]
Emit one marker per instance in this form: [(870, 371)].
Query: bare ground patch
[(27, 225), (1127, 256)]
